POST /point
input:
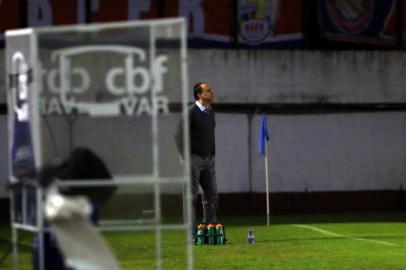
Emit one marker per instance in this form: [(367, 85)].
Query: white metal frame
[(154, 179)]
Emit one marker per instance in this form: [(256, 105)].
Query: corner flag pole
[(262, 150), (266, 183)]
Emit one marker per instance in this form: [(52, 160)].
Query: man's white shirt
[(201, 107)]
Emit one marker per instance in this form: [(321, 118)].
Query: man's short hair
[(197, 89)]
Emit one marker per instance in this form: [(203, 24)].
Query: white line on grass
[(325, 232)]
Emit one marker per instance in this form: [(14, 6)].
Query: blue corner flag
[(263, 136)]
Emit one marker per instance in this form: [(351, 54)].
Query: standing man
[(202, 143)]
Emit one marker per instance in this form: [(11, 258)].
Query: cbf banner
[(362, 21), (270, 23)]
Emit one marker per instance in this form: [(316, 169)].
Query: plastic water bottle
[(220, 234), (210, 234), (251, 237), (200, 234)]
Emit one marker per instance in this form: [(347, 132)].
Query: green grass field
[(341, 241)]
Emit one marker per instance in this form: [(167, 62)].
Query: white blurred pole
[(266, 183)]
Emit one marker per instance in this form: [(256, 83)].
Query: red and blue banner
[(371, 22), (211, 23), (220, 23), (228, 23), (270, 23), (11, 15)]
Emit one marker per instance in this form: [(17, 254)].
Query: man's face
[(206, 95)]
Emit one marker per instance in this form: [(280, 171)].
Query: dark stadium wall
[(244, 203), (313, 202), (282, 77), (313, 153), (308, 153), (301, 77)]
